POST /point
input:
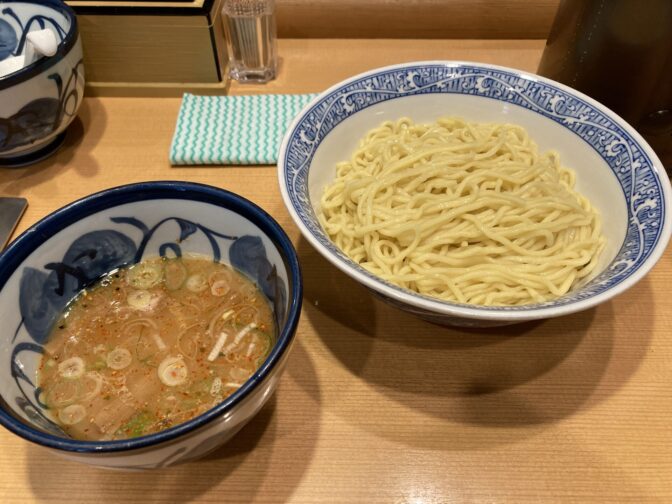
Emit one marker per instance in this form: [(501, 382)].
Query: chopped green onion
[(97, 380), (220, 288), (175, 274), (142, 300), (119, 358), (71, 368), (137, 425), (145, 275), (197, 283), (63, 393), (71, 415), (173, 371)]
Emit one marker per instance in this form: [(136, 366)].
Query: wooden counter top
[(377, 406)]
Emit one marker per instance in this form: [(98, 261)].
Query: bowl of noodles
[(145, 325), (475, 195)]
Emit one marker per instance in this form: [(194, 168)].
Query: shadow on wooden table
[(82, 135), (254, 461), (525, 375)]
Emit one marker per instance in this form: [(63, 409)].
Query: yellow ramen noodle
[(464, 212)]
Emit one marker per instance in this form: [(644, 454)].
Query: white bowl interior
[(594, 177)]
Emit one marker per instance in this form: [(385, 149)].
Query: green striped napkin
[(233, 129)]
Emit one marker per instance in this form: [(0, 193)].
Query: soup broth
[(153, 345)]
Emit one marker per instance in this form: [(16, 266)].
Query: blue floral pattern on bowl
[(639, 179), (45, 293), (76, 246), (40, 100), (40, 118)]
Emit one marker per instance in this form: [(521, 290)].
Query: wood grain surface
[(443, 19), (377, 406)]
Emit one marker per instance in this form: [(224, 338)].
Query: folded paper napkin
[(233, 129)]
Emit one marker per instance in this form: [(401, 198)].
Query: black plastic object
[(620, 53)]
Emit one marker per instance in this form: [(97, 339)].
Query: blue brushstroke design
[(99, 252), (8, 40), (248, 254), (39, 301), (38, 418), (174, 247), (133, 222), (24, 402), (17, 368), (187, 228), (39, 118), (44, 294)]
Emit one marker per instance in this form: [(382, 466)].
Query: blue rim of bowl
[(43, 64), (49, 226), (447, 308)]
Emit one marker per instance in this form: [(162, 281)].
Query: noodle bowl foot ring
[(616, 171), (50, 264)]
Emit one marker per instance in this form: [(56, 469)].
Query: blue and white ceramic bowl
[(39, 101), (48, 264), (616, 169)]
